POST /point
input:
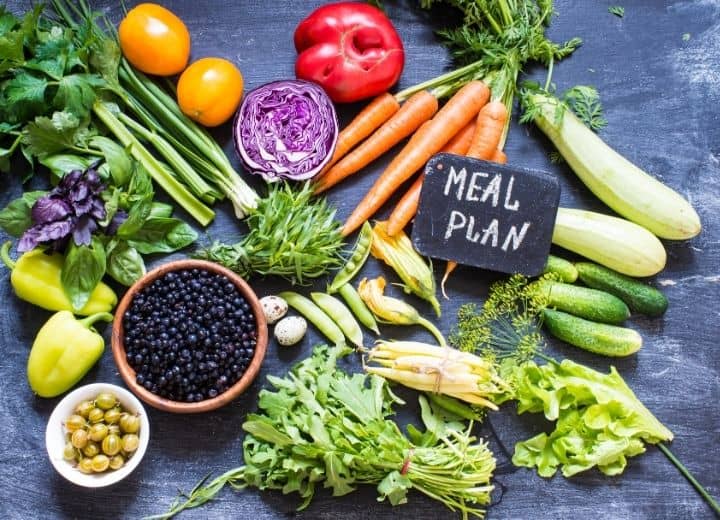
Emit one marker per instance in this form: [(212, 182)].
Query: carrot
[(407, 207), (499, 157), (430, 139), (365, 123), (488, 131), (414, 112)]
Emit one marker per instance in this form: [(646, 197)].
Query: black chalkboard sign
[(486, 214)]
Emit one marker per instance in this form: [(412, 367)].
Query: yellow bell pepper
[(36, 279), (63, 352)]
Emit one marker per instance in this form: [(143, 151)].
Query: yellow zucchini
[(620, 184), (610, 241)]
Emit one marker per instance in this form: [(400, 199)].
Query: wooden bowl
[(161, 403)]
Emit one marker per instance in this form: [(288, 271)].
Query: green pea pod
[(314, 315), (358, 307), (341, 315), (355, 261)]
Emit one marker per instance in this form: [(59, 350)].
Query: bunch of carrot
[(468, 124)]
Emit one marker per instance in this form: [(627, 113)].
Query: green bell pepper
[(64, 350)]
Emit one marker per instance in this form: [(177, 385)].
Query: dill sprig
[(293, 235), (507, 326)]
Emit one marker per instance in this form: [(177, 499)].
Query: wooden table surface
[(661, 93)]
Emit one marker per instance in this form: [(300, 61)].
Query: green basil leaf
[(140, 186), (16, 218), (82, 270), (137, 218), (117, 158), (60, 164), (112, 204), (125, 264), (162, 235)]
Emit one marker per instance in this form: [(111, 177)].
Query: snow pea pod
[(357, 259), (314, 315), (358, 307), (341, 315)]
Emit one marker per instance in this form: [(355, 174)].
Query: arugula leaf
[(125, 265), (162, 235), (394, 487), (76, 93), (46, 136), (24, 96), (82, 270), (117, 158), (16, 218)]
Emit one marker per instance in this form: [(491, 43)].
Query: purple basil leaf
[(97, 210), (68, 181), (29, 240), (120, 217), (82, 234), (48, 209)]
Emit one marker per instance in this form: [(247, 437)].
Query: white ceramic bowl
[(55, 435)]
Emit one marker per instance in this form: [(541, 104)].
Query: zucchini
[(639, 296), (599, 338), (616, 181), (561, 267), (590, 304), (613, 242)]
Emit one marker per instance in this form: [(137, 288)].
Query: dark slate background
[(661, 97)]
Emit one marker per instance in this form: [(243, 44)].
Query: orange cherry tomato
[(210, 90), (154, 40)]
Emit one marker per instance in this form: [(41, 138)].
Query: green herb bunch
[(321, 425), (292, 234)]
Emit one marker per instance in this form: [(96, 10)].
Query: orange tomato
[(210, 90), (154, 40)]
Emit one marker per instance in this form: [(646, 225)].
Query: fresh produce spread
[(112, 117)]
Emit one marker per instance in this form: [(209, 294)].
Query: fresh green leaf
[(60, 164), (117, 158), (16, 218), (394, 487), (137, 218), (162, 235), (160, 209), (111, 197), (584, 101), (140, 186), (600, 421), (24, 96), (76, 94), (105, 59), (617, 10), (125, 265), (82, 270), (46, 136)]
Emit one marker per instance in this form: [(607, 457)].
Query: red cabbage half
[(286, 130)]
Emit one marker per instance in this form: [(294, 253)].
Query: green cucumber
[(583, 302), (561, 267), (639, 296), (599, 338)]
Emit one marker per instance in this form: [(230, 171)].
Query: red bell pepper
[(351, 49)]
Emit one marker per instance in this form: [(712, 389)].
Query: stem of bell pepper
[(90, 320), (5, 255)]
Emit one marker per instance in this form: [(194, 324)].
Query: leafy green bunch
[(292, 235), (322, 425)]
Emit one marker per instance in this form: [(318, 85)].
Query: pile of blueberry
[(189, 335)]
